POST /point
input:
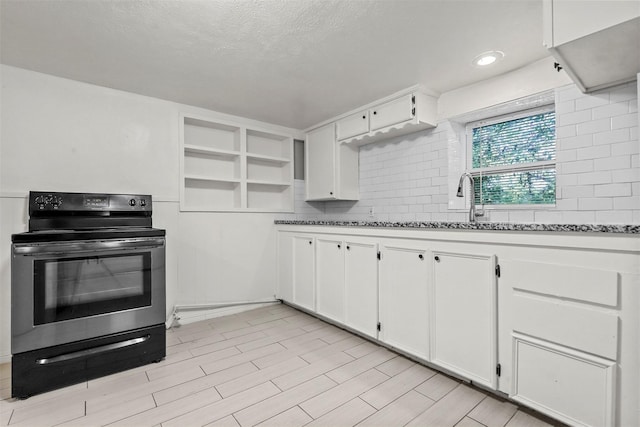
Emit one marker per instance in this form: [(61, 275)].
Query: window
[(512, 158)]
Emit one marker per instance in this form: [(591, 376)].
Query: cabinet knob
[(348, 247), (437, 258), (421, 256), (310, 242), (364, 117), (375, 112), (331, 193), (339, 246)]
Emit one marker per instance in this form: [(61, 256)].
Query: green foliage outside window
[(516, 145)]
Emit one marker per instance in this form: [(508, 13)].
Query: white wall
[(63, 135)]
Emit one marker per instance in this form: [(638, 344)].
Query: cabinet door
[(303, 272), (320, 156), (353, 125), (285, 267), (361, 287), (403, 299), (330, 278), (463, 315), (396, 111)]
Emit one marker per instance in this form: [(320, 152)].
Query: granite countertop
[(493, 226)]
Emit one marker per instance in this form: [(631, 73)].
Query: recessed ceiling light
[(488, 58)]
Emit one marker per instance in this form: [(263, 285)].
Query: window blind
[(513, 161)]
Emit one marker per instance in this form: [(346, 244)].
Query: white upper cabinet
[(392, 112), (331, 149), (331, 169), (596, 42), (353, 125), (402, 113)]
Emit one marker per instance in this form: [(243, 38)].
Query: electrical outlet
[(371, 212)]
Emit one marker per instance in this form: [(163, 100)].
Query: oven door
[(69, 291)]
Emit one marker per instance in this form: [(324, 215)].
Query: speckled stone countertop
[(492, 226)]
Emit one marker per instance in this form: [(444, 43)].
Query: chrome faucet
[(472, 210)]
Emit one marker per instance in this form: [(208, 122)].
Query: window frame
[(522, 167)]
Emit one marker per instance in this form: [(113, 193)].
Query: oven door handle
[(86, 246)]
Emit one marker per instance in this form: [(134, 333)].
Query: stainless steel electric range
[(87, 289)]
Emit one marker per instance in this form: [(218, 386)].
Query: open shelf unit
[(231, 167)]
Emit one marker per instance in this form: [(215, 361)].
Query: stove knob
[(40, 202), (143, 202), (132, 202)]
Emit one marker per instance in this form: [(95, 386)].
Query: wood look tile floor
[(272, 366)]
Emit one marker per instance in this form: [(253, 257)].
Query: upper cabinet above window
[(399, 114), (596, 42)]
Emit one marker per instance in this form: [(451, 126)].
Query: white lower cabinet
[(404, 318), (361, 290), (303, 267), (556, 326), (463, 316), (561, 333), (330, 278), (347, 282)]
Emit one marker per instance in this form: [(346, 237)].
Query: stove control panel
[(48, 201), (88, 202)]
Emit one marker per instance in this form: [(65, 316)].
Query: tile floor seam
[(511, 417)]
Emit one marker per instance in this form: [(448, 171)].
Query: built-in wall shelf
[(230, 167)]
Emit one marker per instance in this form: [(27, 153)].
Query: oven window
[(71, 288)]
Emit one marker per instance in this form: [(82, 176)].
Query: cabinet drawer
[(396, 111), (353, 125)]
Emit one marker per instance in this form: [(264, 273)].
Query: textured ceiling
[(293, 63)]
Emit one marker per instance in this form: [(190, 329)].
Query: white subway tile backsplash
[(574, 118), (576, 191), (565, 107), (579, 217), (625, 92), (548, 217), (611, 110), (595, 126), (595, 203), (564, 181), (566, 156), (625, 148), (567, 204), (611, 163), (612, 190), (589, 102), (497, 216), (565, 131), (624, 121), (610, 137), (575, 167), (521, 216), (575, 142), (614, 217), (627, 203), (626, 175), (596, 152), (602, 177)]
